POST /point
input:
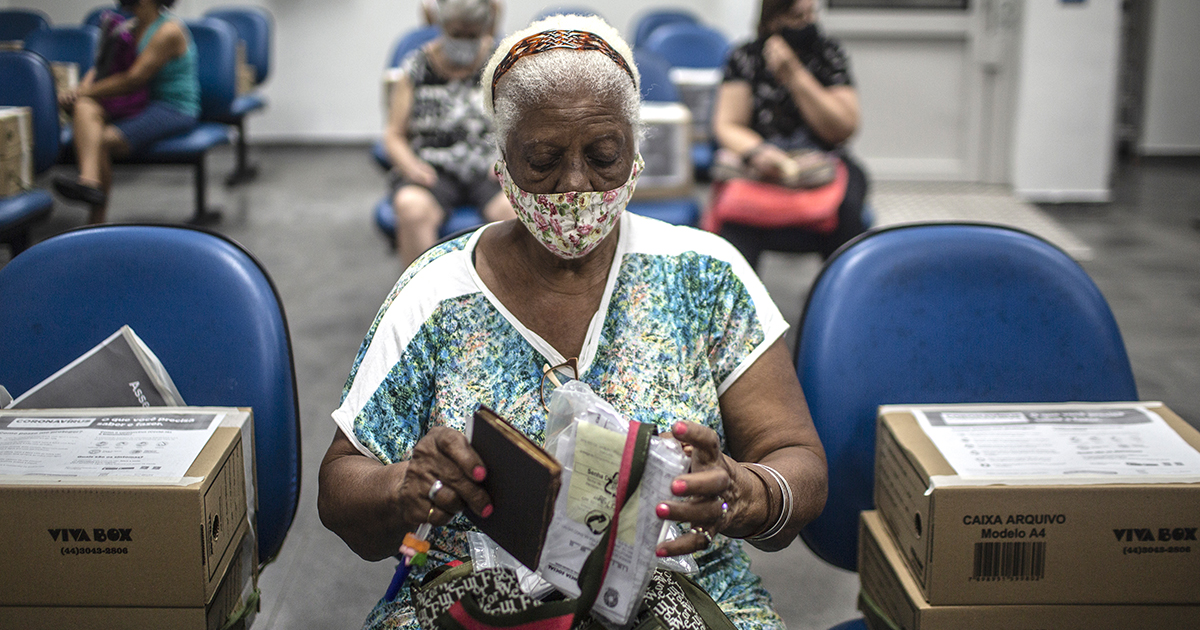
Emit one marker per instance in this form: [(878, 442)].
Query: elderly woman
[(669, 324), (790, 90), (438, 136), (166, 63)]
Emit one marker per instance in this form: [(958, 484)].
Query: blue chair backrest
[(73, 44), (686, 45), (656, 76), (253, 26), (201, 302), (17, 24), (95, 15), (942, 314), (660, 17), (411, 41), (216, 42), (28, 82)]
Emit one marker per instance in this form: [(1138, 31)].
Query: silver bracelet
[(785, 513)]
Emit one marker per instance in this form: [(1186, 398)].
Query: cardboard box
[(246, 73), (667, 152), (66, 75), (236, 596), (105, 543), (16, 150), (1066, 539), (66, 78), (891, 600)]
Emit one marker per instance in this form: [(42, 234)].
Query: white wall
[(1170, 124), (329, 56), (1066, 104)]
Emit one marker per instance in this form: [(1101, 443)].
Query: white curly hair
[(536, 77)]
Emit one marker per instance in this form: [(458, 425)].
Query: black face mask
[(802, 40)]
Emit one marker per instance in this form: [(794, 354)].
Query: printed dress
[(683, 316)]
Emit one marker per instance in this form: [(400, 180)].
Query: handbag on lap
[(747, 201)]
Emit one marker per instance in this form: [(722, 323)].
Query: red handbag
[(759, 204)]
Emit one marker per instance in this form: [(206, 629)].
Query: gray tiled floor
[(307, 218)]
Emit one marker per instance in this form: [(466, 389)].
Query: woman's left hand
[(707, 492)]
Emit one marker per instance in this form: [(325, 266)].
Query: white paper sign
[(126, 443), (1059, 441)]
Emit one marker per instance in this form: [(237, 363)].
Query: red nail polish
[(663, 510), (678, 486), (661, 553), (487, 511), (679, 428), (479, 473)]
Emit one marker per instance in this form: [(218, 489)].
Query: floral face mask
[(569, 224)]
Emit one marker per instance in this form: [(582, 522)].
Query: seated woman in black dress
[(790, 89)]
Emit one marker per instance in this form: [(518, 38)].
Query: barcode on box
[(1009, 561)]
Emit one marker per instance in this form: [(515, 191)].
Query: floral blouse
[(683, 316)]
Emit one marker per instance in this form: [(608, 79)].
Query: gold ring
[(707, 536), (429, 517)]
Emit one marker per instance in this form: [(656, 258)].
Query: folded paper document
[(120, 372)]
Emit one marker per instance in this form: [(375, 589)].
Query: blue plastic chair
[(411, 41), (28, 82), (254, 28), (70, 44), (659, 17), (686, 45), (655, 72), (17, 24), (942, 313), (200, 301)]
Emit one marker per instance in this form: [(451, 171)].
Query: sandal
[(77, 191)]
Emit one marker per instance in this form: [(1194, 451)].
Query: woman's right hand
[(420, 172), (443, 455), (768, 161), (67, 98)]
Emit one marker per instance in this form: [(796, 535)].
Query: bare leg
[(89, 122), (96, 142), (418, 216), (498, 209)]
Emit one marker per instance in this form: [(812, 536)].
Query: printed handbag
[(760, 204), (116, 54), (460, 598)]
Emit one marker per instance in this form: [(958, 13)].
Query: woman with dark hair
[(787, 93), (166, 65)]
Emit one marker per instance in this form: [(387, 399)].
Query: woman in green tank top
[(166, 65)]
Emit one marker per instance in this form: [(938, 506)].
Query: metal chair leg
[(243, 171), (203, 214)]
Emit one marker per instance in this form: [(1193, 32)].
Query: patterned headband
[(551, 40)]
